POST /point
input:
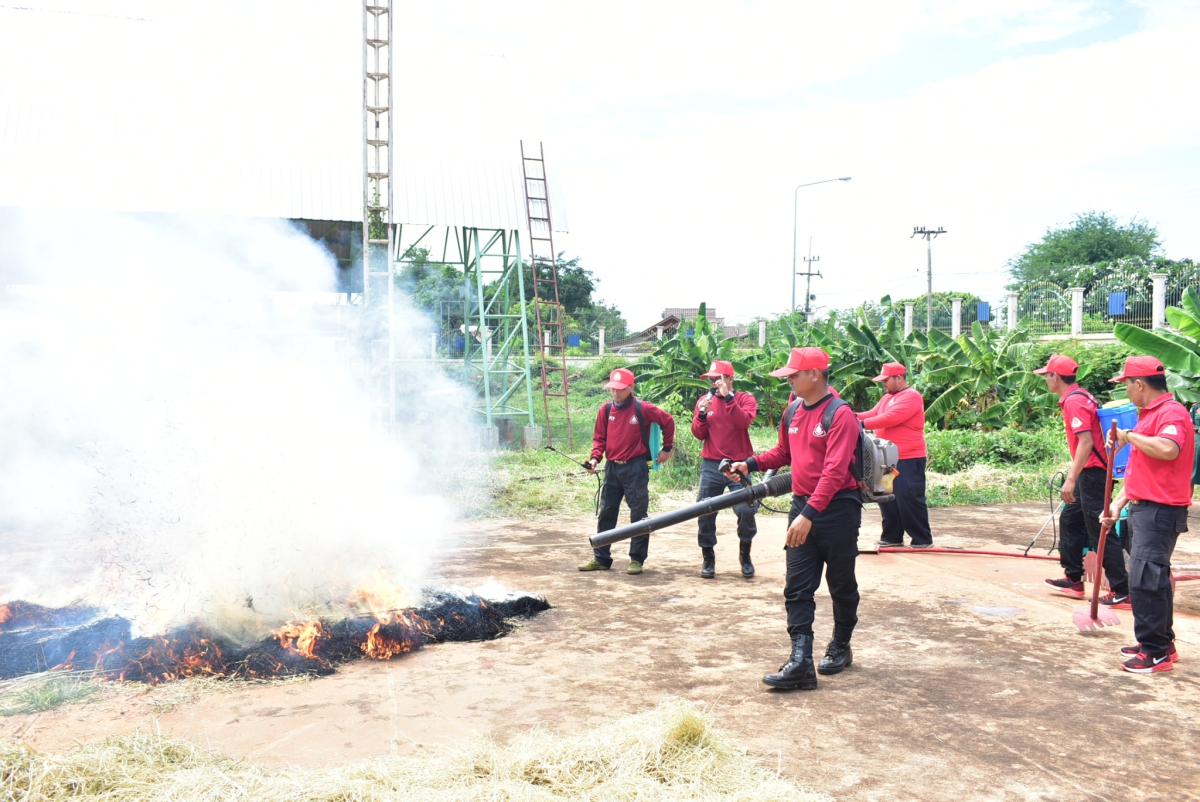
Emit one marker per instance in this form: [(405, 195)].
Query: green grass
[(39, 693)]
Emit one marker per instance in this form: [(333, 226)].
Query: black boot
[(710, 564), (747, 566), (798, 671), (838, 655)]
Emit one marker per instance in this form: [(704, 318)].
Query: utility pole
[(928, 234), (808, 274)]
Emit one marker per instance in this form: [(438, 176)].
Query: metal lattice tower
[(377, 233), (548, 311), (496, 361)]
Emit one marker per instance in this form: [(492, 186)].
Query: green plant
[(44, 693), (987, 380)]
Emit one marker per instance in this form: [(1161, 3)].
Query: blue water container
[(1126, 416)]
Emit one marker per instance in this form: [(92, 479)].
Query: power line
[(929, 235)]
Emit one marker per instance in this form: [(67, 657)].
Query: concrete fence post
[(1160, 299), (909, 306), (433, 346), (658, 332), (762, 333), (1076, 311), (600, 342), (1012, 311), (955, 316)]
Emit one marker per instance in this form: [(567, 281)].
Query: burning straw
[(671, 753)]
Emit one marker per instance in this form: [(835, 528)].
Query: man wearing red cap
[(900, 417), (1158, 485), (824, 519), (1083, 490), (622, 436), (722, 421)]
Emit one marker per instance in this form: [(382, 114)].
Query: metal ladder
[(378, 231), (547, 307)]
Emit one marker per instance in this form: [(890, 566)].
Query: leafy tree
[(576, 288), (1092, 238)]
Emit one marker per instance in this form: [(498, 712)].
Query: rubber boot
[(798, 671), (838, 655), (709, 570), (747, 566)]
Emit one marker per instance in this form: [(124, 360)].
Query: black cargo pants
[(832, 544), (1156, 527)]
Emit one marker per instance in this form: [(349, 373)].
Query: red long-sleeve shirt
[(900, 417), (725, 430), (820, 460), (618, 437)]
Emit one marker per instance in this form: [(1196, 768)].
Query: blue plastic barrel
[(1126, 416)]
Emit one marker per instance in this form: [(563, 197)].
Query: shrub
[(954, 450)]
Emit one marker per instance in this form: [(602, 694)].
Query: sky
[(678, 133)]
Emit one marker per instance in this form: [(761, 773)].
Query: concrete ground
[(970, 681)]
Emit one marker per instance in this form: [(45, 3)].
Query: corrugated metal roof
[(118, 107)]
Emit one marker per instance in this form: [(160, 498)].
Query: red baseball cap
[(718, 369), (620, 379), (1138, 366), (891, 369), (803, 359), (1059, 365)]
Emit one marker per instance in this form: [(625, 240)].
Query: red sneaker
[(1134, 650), (1067, 587), (1143, 663), (1116, 602)]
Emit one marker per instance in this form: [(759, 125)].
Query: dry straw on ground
[(670, 753)]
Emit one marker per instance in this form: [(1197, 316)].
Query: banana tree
[(988, 382), (1178, 350)]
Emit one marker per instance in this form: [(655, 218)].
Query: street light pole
[(928, 234), (795, 214)]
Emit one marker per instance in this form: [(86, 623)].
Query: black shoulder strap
[(644, 425), (788, 414), (1100, 455), (835, 404)]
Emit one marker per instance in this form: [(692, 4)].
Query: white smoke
[(195, 445)]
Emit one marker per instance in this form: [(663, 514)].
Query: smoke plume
[(187, 437)]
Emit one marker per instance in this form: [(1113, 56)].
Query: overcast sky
[(679, 130)]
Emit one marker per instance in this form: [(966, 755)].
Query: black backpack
[(642, 424)]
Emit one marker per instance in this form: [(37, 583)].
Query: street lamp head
[(847, 178)]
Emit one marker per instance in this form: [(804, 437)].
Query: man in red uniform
[(622, 437), (722, 421), (824, 519), (1083, 491), (900, 417), (1158, 485)]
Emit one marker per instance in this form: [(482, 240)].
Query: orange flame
[(383, 598), (301, 638), (5, 613), (379, 646)]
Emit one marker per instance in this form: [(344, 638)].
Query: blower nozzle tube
[(775, 486)]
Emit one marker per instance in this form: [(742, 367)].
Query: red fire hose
[(906, 550)]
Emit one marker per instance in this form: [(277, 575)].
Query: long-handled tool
[(1097, 615)]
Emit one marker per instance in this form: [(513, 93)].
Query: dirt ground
[(969, 682)]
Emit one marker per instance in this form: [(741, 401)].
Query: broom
[(1097, 616)]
